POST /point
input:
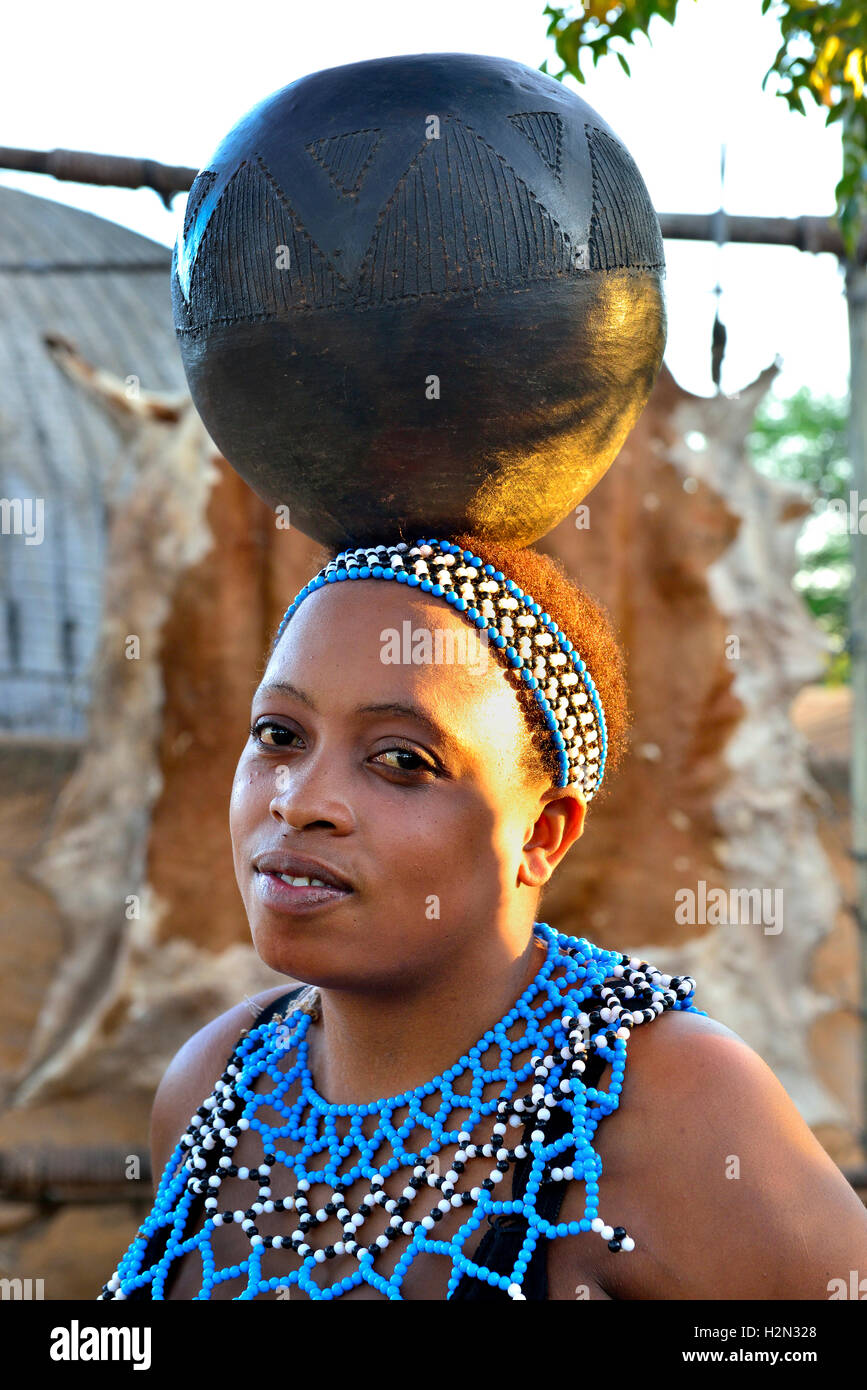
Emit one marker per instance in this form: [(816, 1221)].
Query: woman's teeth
[(302, 880)]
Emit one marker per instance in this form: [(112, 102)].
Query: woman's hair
[(588, 626)]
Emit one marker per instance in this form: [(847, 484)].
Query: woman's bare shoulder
[(727, 1192), (194, 1071)]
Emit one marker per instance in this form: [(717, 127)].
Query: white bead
[(597, 1223), (409, 1193), (322, 1214), (382, 1242), (243, 1172), (428, 1223), (457, 1200), (627, 1243), (514, 1291), (607, 1233), (444, 1206), (475, 1193), (557, 1174), (255, 1240)]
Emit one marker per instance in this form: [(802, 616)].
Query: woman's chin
[(313, 955)]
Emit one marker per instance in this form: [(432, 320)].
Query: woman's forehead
[(380, 641)]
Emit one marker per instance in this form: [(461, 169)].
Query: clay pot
[(420, 294)]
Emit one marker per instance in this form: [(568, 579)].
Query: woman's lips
[(276, 893)]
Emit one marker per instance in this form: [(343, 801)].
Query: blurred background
[(723, 540)]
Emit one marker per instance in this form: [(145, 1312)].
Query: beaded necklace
[(583, 1000)]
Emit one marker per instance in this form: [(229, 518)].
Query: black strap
[(499, 1247)]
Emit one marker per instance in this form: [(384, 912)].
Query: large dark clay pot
[(420, 294)]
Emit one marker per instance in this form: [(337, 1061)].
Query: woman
[(421, 1122)]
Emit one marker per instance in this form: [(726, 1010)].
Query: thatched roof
[(67, 272)]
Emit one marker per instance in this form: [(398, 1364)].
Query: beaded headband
[(539, 650)]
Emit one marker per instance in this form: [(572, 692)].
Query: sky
[(168, 83)]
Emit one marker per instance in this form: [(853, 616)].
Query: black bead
[(330, 1252), (402, 1203), (619, 1232), (458, 1166), (437, 1214), (330, 1208), (614, 1245), (502, 1166), (487, 1185)]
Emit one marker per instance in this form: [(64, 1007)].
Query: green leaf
[(624, 64)]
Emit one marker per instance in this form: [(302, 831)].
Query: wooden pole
[(856, 295)]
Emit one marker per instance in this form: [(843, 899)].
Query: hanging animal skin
[(420, 293)]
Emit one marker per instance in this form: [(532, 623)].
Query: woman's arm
[(713, 1172)]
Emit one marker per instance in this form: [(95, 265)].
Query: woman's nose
[(308, 794)]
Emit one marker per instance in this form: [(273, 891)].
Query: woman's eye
[(420, 764), (268, 726)]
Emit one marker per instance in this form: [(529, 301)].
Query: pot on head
[(420, 294)]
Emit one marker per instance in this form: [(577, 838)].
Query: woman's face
[(400, 778)]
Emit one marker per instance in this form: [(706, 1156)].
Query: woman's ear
[(559, 823)]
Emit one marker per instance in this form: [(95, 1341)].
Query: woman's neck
[(364, 1048)]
